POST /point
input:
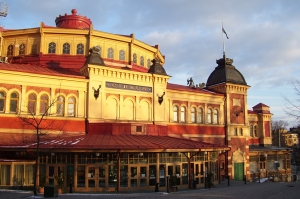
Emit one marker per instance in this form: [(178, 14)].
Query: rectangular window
[(4, 174), (81, 176)]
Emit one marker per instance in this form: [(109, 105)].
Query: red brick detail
[(157, 130), (66, 92), (236, 116), (51, 124), (267, 129), (180, 102), (195, 130), (197, 104), (109, 128), (213, 106), (212, 140), (146, 98), (10, 86), (116, 95), (253, 141), (38, 89)]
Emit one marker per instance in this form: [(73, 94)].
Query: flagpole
[(223, 41)]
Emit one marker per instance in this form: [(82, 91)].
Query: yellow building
[(104, 116)]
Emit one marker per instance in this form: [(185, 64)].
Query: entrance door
[(138, 176), (174, 173), (97, 177), (55, 171), (238, 171)]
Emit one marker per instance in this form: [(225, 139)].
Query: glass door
[(97, 177), (138, 176)]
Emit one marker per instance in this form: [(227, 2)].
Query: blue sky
[(264, 39)]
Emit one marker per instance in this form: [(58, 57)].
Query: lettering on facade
[(128, 87)]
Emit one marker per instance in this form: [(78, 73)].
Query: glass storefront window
[(29, 171), (124, 176), (4, 174), (184, 173), (152, 178), (81, 176), (18, 175), (112, 178)]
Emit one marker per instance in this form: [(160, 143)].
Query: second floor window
[(2, 101), (110, 53), (71, 106), (175, 114), (148, 63), (52, 48), (31, 104), (60, 105), (80, 49), (14, 100), (134, 58), (215, 118), (43, 105), (182, 114), (122, 55), (200, 115), (209, 116), (142, 61), (193, 115), (22, 49), (66, 48), (251, 130), (10, 50)]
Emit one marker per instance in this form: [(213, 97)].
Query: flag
[(225, 32)]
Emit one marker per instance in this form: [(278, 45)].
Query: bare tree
[(41, 125), (292, 107)]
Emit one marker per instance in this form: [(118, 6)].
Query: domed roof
[(73, 21), (225, 72)]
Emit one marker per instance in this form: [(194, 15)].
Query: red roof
[(260, 105), (41, 70), (101, 142)]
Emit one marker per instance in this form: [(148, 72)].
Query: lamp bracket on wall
[(96, 91), (160, 98)]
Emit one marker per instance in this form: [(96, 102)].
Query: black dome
[(225, 72)]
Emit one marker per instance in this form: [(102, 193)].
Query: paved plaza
[(237, 189)]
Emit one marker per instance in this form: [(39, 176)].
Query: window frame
[(10, 50), (44, 103), (3, 99), (73, 104), (31, 105), (66, 48), (52, 48), (80, 49), (22, 49), (175, 113), (60, 106), (110, 53), (122, 55), (16, 99)]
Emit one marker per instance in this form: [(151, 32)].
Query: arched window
[(110, 53), (31, 104), (200, 115), (2, 101), (182, 114), (66, 48), (148, 63), (71, 106), (134, 58), (255, 131), (251, 130), (14, 100), (44, 104), (60, 105), (215, 116), (175, 113), (22, 49), (52, 47), (80, 49), (10, 50), (209, 116), (193, 115), (142, 61), (122, 55)]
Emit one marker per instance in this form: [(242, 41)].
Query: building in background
[(113, 122)]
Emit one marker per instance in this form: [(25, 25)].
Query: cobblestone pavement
[(239, 190)]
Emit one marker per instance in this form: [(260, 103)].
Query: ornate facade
[(103, 114)]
